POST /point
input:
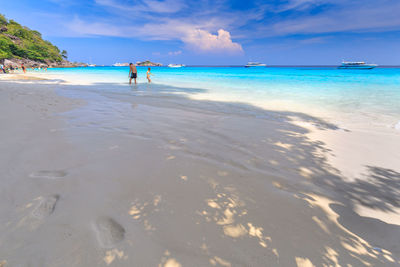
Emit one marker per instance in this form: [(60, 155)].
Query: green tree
[(64, 54), (5, 51), (3, 20), (18, 41)]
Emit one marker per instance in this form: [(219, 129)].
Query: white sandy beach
[(92, 178)]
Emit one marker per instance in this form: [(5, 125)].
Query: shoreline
[(372, 115), (361, 132), (185, 182), (351, 164), (347, 130)]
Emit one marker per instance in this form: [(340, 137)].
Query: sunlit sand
[(96, 178)]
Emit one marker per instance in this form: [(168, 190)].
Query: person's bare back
[(132, 73)]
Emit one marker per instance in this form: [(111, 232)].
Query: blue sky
[(217, 32)]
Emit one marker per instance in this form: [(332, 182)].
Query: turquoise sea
[(359, 97)]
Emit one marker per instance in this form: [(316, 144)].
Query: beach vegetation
[(3, 20), (17, 41), (64, 54)]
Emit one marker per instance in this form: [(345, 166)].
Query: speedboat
[(356, 65), (255, 64), (176, 65)]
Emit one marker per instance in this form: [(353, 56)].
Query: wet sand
[(145, 177)]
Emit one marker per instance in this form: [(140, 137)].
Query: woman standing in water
[(148, 75)]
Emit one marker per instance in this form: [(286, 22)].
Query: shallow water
[(347, 97)]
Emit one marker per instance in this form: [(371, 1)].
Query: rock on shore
[(16, 62)]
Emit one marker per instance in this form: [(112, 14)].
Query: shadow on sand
[(270, 196), (243, 139)]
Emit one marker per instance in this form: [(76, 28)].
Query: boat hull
[(359, 68), (258, 66), (176, 65), (362, 67)]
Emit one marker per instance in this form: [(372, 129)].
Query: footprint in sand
[(45, 207), (108, 232), (48, 174)]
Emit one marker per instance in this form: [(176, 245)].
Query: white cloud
[(167, 6), (342, 16), (156, 6), (360, 18), (208, 25), (303, 4), (81, 27), (314, 40), (205, 41), (197, 37), (196, 21), (174, 53)]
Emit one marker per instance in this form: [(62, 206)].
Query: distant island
[(139, 63), (148, 63), (19, 44)]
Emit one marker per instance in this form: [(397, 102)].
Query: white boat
[(255, 64), (91, 63), (356, 65), (176, 65), (120, 64)]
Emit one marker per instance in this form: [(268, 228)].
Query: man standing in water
[(132, 73)]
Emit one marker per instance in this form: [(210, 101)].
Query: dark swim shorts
[(133, 75)]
